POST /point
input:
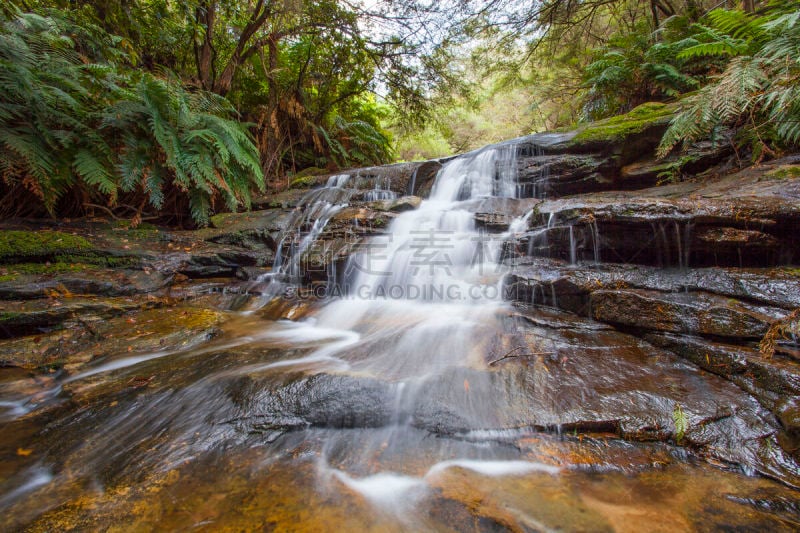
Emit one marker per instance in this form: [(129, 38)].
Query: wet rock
[(413, 179), (768, 380), (788, 411), (288, 307), (357, 220), (322, 400), (551, 175), (100, 282), (736, 228), (493, 222), (283, 200), (601, 378), (730, 245), (404, 203), (496, 214), (555, 283), (252, 273), (212, 263), (697, 313), (94, 338), (252, 230), (651, 171), (36, 316)]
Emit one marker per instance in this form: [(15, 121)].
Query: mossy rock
[(98, 259), (785, 172), (304, 182), (15, 244), (618, 128), (311, 171), (12, 272)]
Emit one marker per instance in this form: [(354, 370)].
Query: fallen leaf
[(24, 452), (466, 385)]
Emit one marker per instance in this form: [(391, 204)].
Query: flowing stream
[(390, 407)]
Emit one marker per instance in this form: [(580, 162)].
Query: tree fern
[(759, 90), (72, 117)]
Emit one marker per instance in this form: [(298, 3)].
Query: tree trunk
[(206, 14)]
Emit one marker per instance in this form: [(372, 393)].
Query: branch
[(511, 355)]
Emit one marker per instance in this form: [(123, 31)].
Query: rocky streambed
[(600, 366)]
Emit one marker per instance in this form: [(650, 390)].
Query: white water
[(420, 302), (432, 281), (322, 205)]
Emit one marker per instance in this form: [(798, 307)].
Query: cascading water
[(306, 225), (423, 305), (417, 400)]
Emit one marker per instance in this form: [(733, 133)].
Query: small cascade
[(572, 251), (671, 241), (595, 234), (381, 191), (306, 225), (573, 242), (538, 184), (412, 184)]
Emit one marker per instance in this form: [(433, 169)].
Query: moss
[(39, 243), (311, 171), (39, 269), (303, 182), (99, 260), (621, 126), (784, 172), (126, 225), (143, 235)]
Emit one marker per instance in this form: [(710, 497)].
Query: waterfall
[(305, 226), (436, 252), (422, 308), (423, 297)]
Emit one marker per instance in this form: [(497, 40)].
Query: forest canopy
[(186, 108)]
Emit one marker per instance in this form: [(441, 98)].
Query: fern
[(66, 122), (758, 90), (681, 423)]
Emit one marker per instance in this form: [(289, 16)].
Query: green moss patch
[(784, 172), (13, 272), (21, 244), (100, 260), (617, 128), (303, 182)]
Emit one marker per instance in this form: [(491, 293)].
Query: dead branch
[(511, 355)]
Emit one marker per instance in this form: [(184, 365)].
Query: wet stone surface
[(163, 379)]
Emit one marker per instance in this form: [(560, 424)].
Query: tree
[(75, 121)]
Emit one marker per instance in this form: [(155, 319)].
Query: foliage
[(681, 423), (166, 134), (631, 69), (786, 328), (68, 123), (758, 91), (46, 96)]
